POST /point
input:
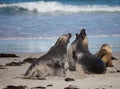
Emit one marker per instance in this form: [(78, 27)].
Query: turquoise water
[(35, 25)]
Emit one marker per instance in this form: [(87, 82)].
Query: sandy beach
[(13, 75)]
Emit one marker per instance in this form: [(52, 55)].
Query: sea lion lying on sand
[(78, 52), (105, 53), (52, 63)]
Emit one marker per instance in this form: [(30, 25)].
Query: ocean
[(35, 25)]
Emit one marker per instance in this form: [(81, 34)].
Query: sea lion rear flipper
[(113, 58)]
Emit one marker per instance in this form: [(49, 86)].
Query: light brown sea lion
[(105, 53), (78, 52), (52, 63)]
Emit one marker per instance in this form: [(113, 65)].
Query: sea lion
[(52, 63), (72, 50), (105, 53), (78, 52)]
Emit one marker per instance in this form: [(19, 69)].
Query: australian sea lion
[(105, 53), (52, 63), (72, 50), (78, 52)]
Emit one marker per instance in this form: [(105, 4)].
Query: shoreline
[(41, 45)]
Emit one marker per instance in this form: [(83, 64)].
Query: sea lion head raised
[(89, 62), (82, 37), (64, 39)]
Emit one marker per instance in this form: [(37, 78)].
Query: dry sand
[(12, 75)]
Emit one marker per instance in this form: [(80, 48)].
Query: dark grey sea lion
[(52, 63), (78, 52)]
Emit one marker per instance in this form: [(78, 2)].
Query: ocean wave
[(46, 7)]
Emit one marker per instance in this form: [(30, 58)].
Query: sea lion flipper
[(74, 55), (101, 53), (113, 58)]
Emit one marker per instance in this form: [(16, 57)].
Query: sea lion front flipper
[(101, 53)]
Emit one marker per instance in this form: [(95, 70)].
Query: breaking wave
[(46, 7)]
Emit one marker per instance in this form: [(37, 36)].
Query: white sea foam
[(45, 7)]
